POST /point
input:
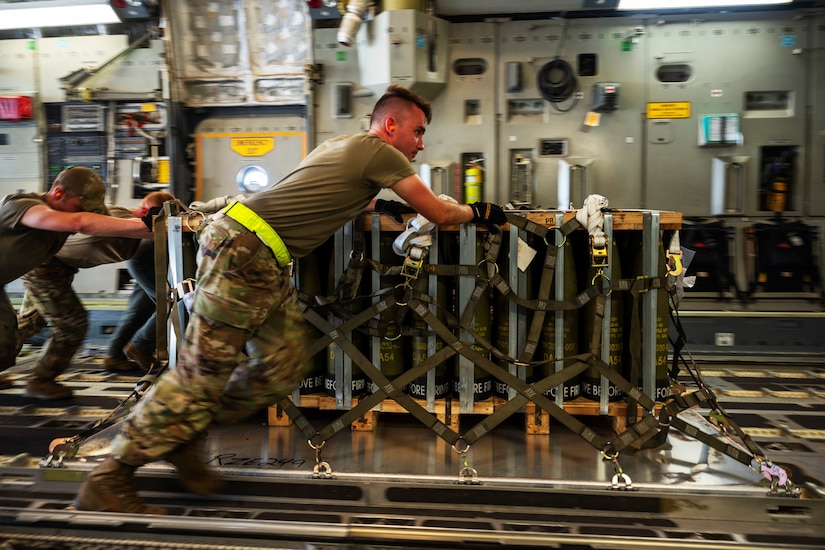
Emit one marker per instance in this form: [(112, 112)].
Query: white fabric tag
[(525, 254)]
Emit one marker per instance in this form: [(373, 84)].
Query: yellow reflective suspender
[(252, 221)]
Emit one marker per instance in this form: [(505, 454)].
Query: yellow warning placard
[(668, 109), (252, 146), (163, 171)]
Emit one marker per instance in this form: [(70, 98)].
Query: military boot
[(111, 487), (118, 364), (143, 358), (192, 470), (44, 388)]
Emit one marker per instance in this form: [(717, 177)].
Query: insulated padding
[(784, 257), (709, 239)]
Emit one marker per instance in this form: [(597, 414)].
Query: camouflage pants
[(8, 332), (243, 301), (49, 291), (29, 320)]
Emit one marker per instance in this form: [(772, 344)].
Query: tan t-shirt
[(82, 251), (23, 248), (331, 186)]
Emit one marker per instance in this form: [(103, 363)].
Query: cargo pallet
[(536, 420)]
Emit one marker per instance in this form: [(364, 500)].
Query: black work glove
[(149, 218), (489, 214), (393, 209)]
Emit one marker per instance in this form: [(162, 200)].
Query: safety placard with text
[(668, 109), (252, 146)]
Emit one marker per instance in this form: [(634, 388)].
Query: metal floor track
[(399, 485)]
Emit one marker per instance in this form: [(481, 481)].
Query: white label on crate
[(725, 339), (525, 254)]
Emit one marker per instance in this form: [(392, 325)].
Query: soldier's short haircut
[(77, 180), (85, 183), (394, 97)]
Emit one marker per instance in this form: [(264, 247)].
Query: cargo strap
[(680, 400), (650, 431), (335, 334), (591, 217), (535, 392), (385, 387), (527, 392), (542, 303), (165, 299), (545, 285), (161, 233), (673, 254), (69, 447), (248, 218), (638, 286)]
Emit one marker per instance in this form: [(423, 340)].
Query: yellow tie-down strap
[(252, 221)]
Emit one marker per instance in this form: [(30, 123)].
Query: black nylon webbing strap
[(366, 403), (370, 401), (481, 284), (528, 226), (445, 270), (639, 286), (514, 382), (668, 418), (541, 230), (350, 281), (525, 392), (678, 403), (295, 414), (345, 328), (545, 284), (475, 296), (634, 432), (163, 302), (513, 405), (390, 389), (731, 451), (678, 343), (498, 282), (598, 319), (704, 394)]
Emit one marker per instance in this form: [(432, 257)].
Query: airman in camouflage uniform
[(244, 297), (49, 293), (35, 226)]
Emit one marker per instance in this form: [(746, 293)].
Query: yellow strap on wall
[(252, 221)]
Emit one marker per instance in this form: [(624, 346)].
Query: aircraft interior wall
[(713, 123), (642, 99)]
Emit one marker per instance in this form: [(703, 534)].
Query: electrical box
[(552, 147), (605, 97), (720, 130), (342, 100), (405, 47)]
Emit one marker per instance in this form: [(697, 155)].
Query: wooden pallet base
[(536, 420)]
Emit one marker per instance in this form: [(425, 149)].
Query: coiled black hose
[(557, 83)]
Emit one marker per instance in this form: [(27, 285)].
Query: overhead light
[(56, 13), (683, 4)]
